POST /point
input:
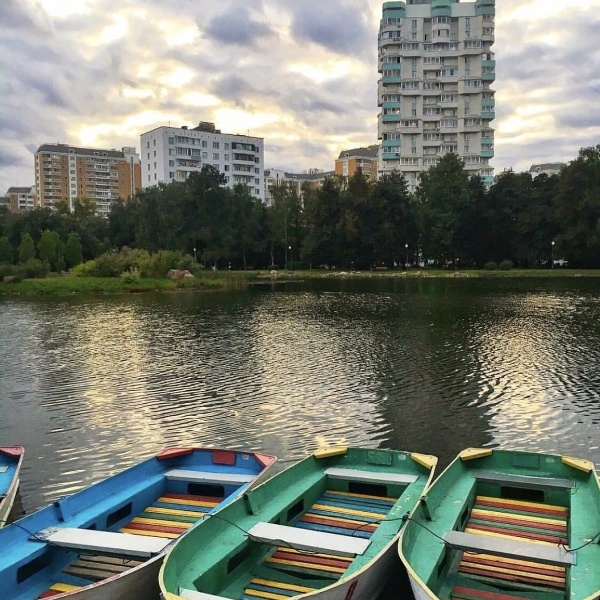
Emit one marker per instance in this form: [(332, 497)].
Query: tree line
[(450, 219)]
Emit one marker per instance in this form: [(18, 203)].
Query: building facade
[(170, 154), (546, 169), (313, 178), (363, 159), (21, 199), (434, 92), (64, 173)]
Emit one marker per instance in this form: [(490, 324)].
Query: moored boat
[(325, 528), (506, 525), (11, 459), (109, 539)]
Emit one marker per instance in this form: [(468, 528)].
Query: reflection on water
[(91, 386)]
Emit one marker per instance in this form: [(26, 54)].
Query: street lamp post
[(552, 255), (291, 259), (406, 248), (194, 253)]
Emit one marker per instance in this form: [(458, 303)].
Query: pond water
[(92, 385)]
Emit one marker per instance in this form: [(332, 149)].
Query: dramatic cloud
[(303, 75)]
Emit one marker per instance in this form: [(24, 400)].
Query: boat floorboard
[(168, 516), (520, 521)]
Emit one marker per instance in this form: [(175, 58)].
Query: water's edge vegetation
[(232, 280)]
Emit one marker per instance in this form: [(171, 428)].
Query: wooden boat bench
[(510, 548), (209, 477), (304, 539), (370, 476), (104, 542), (524, 481)]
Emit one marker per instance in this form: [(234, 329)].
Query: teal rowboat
[(506, 525), (11, 458), (326, 527)]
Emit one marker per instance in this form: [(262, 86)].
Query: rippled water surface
[(92, 385)]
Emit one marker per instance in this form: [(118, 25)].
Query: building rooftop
[(368, 152), (20, 190), (67, 149), (546, 167)]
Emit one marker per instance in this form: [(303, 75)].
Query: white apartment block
[(436, 68), (170, 154)]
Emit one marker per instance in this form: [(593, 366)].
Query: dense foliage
[(449, 221)]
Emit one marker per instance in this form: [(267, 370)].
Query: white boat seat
[(107, 542), (485, 544), (524, 481), (209, 477), (307, 539), (195, 595), (370, 476)]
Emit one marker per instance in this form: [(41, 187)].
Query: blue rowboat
[(326, 528), (11, 458), (109, 539), (507, 525)]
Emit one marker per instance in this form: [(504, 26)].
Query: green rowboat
[(506, 525), (326, 527)]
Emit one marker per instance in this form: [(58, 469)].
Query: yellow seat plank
[(64, 587), (204, 503), (173, 511), (283, 586), (146, 521), (294, 563)]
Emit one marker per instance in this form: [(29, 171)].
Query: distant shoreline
[(239, 280)]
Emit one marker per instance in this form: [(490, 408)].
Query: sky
[(302, 74)]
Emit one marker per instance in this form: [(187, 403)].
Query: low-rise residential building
[(64, 173), (170, 154), (363, 159), (313, 178), (21, 199), (546, 169)]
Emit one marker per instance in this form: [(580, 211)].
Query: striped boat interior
[(500, 578), (288, 571)]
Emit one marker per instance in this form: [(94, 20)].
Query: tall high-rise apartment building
[(436, 68), (64, 173), (170, 154)]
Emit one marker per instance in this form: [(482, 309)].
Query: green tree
[(26, 248), (73, 252), (49, 247), (6, 251), (443, 193), (577, 210)]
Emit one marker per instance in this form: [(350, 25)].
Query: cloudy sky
[(300, 73)]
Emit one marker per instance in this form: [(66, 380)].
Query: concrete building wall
[(170, 154), (435, 92)]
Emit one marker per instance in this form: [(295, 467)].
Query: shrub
[(506, 265), (33, 268), (86, 269), (490, 266), (132, 275), (161, 262)]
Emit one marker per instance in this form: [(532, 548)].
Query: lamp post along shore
[(552, 254)]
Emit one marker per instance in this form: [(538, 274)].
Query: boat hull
[(11, 457), (501, 523), (109, 540), (284, 519)]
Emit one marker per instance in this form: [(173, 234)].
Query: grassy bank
[(68, 284), (232, 280)]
